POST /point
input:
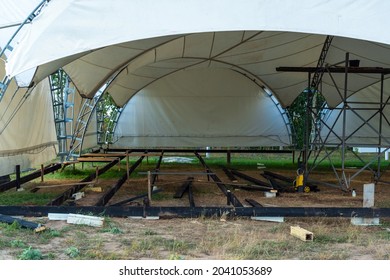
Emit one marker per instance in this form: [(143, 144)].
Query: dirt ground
[(215, 237)]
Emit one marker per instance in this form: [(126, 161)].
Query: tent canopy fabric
[(202, 108), (139, 42), (141, 47)]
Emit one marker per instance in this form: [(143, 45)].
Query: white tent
[(27, 134), (148, 51)]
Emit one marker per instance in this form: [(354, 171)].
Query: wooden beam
[(110, 193), (253, 202), (265, 186), (233, 199), (301, 233), (184, 187), (220, 151), (118, 211), (120, 203), (77, 187), (229, 174), (96, 159), (191, 196), (12, 184)]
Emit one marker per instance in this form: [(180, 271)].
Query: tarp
[(200, 108), (139, 47), (109, 35), (27, 130)]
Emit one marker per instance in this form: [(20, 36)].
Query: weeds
[(72, 252), (18, 243), (30, 254)]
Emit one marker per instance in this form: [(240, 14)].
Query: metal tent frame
[(318, 144)]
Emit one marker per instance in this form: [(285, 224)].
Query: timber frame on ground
[(233, 208)]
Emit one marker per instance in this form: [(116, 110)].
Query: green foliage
[(297, 113), (30, 254), (18, 243), (72, 252)]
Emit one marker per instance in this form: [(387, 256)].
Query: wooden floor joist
[(110, 193), (263, 185), (189, 212), (229, 175), (191, 196), (123, 202), (233, 199), (96, 159), (12, 184), (76, 187), (253, 202), (180, 192)]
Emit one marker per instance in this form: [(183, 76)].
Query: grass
[(25, 198), (179, 239), (30, 254)]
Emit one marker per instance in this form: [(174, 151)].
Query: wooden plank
[(184, 187), (110, 193), (278, 176), (232, 198), (229, 174), (253, 202), (85, 220), (301, 233), (120, 203), (191, 196), (96, 159), (265, 186), (206, 211), (12, 184), (77, 187)]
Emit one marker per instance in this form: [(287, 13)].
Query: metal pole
[(306, 132), (343, 148), (378, 173)]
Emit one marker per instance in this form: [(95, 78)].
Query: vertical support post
[(127, 165), (97, 174), (149, 187), (228, 157), (228, 197), (343, 137), (307, 132), (17, 171), (378, 173), (42, 173)]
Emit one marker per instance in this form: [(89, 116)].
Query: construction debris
[(85, 220), (78, 195), (26, 224), (301, 233)]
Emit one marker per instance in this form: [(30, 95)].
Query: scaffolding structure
[(63, 108), (318, 147)]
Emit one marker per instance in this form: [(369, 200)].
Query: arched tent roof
[(134, 44), (96, 39)]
